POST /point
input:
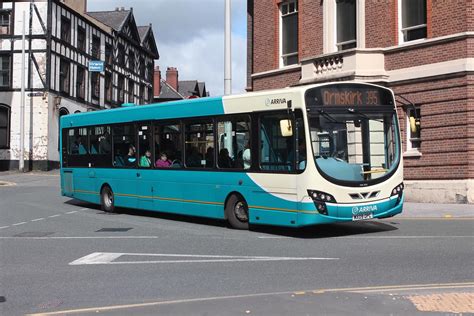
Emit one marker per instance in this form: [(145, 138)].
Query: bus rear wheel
[(237, 212), (107, 199)]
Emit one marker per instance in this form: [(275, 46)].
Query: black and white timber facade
[(62, 38)]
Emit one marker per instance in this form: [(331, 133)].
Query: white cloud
[(190, 37), (202, 58)]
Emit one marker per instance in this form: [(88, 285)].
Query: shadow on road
[(315, 231)]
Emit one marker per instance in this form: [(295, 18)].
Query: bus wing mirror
[(414, 124), (285, 128)]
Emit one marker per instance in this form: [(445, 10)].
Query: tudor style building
[(62, 38), (422, 49)]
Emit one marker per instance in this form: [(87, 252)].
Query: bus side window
[(145, 142), (199, 150), (234, 143), (124, 150), (77, 141), (277, 151), (168, 145)]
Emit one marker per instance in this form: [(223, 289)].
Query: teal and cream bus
[(291, 157)]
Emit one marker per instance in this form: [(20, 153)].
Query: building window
[(120, 83), (108, 54), (289, 33), (95, 84), (66, 29), (413, 20), (131, 60), (64, 76), (131, 91), (150, 95), (5, 22), (80, 83), (142, 94), (5, 61), (81, 39), (150, 71), (413, 129), (142, 68), (121, 55), (108, 87), (95, 47), (346, 24), (4, 126)]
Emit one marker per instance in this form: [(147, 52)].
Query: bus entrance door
[(145, 190)]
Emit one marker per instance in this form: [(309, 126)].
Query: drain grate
[(114, 229), (33, 234)]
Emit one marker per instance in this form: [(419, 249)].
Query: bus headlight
[(320, 199), (398, 190)]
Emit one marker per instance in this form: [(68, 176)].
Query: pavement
[(411, 209)]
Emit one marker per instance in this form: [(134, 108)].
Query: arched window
[(5, 113)]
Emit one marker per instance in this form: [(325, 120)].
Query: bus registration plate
[(360, 217)]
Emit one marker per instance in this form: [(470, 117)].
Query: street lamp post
[(227, 50), (22, 104)]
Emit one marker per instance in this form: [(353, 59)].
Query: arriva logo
[(363, 209), (275, 101)]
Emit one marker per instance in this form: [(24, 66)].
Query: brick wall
[(265, 39), (444, 129), (448, 17), (277, 81), (310, 18), (424, 55), (381, 23)]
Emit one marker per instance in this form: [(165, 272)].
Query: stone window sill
[(412, 153)]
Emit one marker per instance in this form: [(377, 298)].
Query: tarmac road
[(62, 256)]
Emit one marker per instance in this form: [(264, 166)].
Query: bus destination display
[(350, 97)]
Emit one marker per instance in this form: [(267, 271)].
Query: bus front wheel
[(107, 199), (237, 212)]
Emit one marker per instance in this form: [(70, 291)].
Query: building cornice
[(278, 71)]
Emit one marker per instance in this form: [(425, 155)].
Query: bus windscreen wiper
[(329, 117), (360, 114)]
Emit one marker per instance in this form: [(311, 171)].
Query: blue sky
[(190, 36)]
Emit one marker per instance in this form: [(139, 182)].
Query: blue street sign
[(96, 66)]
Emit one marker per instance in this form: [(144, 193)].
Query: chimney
[(77, 5), (157, 82), (172, 77)]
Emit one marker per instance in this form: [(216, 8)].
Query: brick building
[(422, 49)]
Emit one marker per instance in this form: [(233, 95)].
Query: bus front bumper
[(353, 212)]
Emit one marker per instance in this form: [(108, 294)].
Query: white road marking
[(109, 257), (17, 224), (83, 209), (37, 219), (4, 227), (71, 212), (57, 215)]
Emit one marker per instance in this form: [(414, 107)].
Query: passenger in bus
[(78, 148), (163, 162), (104, 146), (145, 160), (193, 157), (246, 157), (210, 157), (239, 161), (224, 159), (131, 158)]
